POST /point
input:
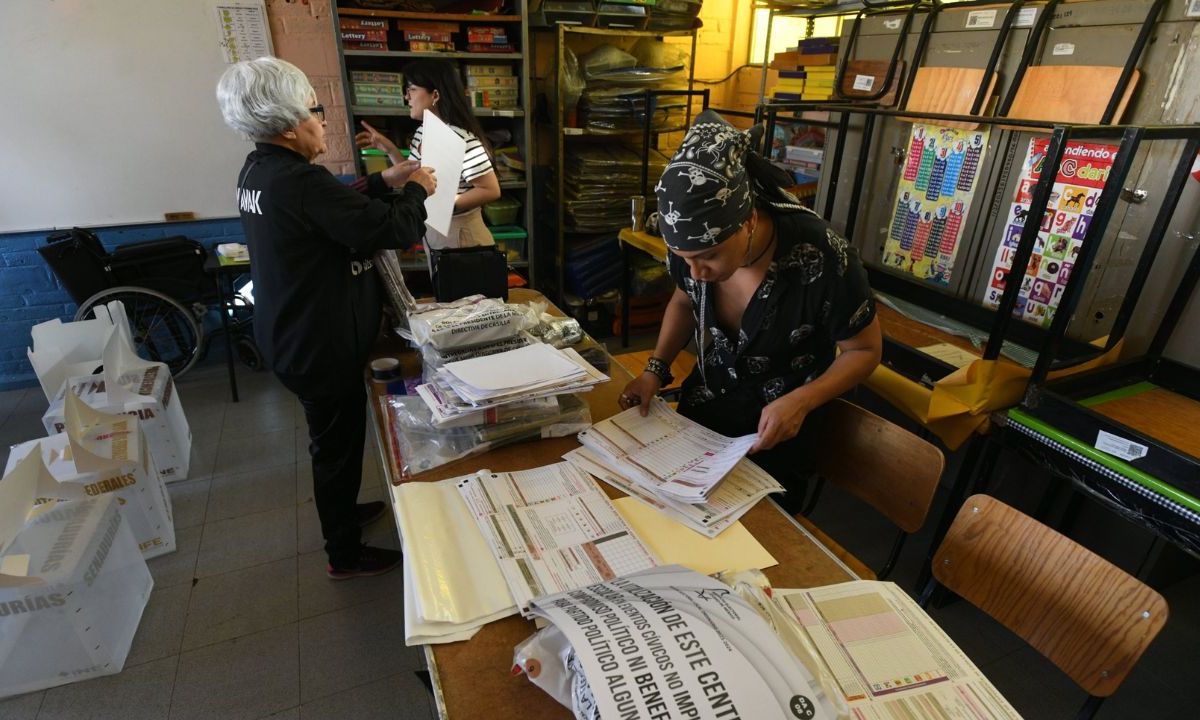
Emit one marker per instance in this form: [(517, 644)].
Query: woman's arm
[(484, 189), (781, 419), (677, 327)]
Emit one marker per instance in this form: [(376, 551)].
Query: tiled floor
[(243, 623)]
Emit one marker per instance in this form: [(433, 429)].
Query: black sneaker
[(371, 561), (370, 512)]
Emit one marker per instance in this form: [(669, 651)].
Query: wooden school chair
[(1084, 614), (877, 461)]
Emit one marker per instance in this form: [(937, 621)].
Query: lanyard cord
[(700, 330)]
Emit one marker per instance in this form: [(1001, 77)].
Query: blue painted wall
[(30, 292)]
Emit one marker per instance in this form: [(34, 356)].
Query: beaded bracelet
[(661, 368)]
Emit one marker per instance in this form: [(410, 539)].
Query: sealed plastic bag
[(549, 661), (471, 321), (422, 446)]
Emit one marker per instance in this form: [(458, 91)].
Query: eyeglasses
[(317, 111)]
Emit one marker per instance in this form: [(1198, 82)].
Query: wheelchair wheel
[(248, 353), (163, 330)]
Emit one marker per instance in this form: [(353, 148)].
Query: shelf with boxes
[(489, 53), (605, 144)]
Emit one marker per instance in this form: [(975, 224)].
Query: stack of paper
[(530, 372), (552, 530), (452, 584), (741, 489), (669, 455)]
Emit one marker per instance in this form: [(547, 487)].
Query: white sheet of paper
[(443, 150), (527, 366)]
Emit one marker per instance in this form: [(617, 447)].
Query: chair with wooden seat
[(1084, 614), (877, 461)]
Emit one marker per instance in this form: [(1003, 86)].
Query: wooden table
[(472, 678)]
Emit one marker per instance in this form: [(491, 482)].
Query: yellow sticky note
[(674, 543)]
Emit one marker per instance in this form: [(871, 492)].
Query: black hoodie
[(317, 298)]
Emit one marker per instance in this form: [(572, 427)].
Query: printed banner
[(933, 199), (1081, 177)]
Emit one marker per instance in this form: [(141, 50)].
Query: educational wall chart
[(1081, 177), (933, 199)]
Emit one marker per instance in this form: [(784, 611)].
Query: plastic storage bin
[(511, 240), (502, 211)]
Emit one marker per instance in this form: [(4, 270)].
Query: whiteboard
[(110, 115)]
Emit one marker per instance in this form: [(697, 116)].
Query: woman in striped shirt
[(435, 86)]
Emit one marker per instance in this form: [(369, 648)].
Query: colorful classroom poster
[(1081, 177), (933, 199)]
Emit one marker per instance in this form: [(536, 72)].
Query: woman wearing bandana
[(770, 292)]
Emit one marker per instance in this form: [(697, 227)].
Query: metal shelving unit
[(563, 135), (518, 119)]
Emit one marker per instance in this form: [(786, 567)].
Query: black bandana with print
[(815, 294)]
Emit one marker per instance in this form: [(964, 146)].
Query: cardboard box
[(132, 386), (102, 454), (72, 585)]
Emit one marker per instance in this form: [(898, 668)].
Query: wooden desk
[(473, 675)]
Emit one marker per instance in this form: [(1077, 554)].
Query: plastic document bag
[(417, 444), (669, 642), (102, 454), (471, 321), (134, 386), (452, 584), (72, 585)]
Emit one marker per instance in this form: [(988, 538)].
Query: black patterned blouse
[(815, 294)]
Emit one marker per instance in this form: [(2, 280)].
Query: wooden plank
[(947, 90), (1161, 414), (870, 73), (915, 334), (1069, 93)]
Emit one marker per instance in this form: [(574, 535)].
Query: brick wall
[(302, 33)]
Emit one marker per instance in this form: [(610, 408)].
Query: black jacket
[(317, 298)]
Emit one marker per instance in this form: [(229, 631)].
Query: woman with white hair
[(318, 303)]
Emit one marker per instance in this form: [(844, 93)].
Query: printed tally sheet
[(668, 454), (744, 486), (890, 660), (552, 529)]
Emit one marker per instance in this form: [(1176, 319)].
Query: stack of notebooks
[(808, 71), (491, 86), (487, 38), (363, 33), (690, 473), (424, 36), (378, 88), (804, 163)]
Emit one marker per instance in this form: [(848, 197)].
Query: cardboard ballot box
[(133, 386), (103, 454), (72, 585)]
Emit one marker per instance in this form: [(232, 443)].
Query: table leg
[(225, 305)]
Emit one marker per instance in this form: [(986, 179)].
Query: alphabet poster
[(1081, 177), (933, 199)]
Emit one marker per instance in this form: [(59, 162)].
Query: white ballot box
[(133, 386), (102, 454), (72, 585), (64, 350)]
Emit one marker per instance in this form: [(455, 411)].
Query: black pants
[(337, 431)]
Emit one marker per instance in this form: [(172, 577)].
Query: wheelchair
[(163, 286)]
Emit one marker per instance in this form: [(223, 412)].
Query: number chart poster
[(932, 200), (1073, 199)]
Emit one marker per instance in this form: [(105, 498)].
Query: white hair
[(262, 98)]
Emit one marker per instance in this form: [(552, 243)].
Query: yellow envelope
[(674, 543)]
